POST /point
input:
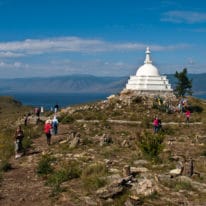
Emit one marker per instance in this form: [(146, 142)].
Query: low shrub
[(44, 166), (70, 171), (146, 122), (151, 145), (5, 166), (93, 176), (137, 100), (66, 119)]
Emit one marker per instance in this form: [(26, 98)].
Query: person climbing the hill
[(156, 125), (56, 108), (26, 119), (18, 137), (47, 130), (37, 113), (160, 125), (55, 123), (187, 114)]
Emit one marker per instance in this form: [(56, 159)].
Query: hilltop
[(107, 154)]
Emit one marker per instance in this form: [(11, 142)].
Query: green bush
[(151, 145), (182, 185), (93, 176), (66, 119), (27, 142), (70, 171), (33, 132), (44, 166), (5, 166), (6, 145), (178, 185), (146, 122), (137, 100)]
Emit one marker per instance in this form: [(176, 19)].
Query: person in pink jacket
[(187, 114), (156, 125)]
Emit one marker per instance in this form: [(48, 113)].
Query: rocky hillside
[(106, 153)]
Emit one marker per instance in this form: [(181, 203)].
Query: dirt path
[(21, 185)]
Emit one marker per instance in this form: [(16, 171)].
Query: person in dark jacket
[(18, 137)]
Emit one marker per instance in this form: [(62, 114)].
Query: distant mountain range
[(83, 84)]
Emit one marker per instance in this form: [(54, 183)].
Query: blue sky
[(100, 37)]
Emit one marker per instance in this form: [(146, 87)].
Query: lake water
[(63, 100), (49, 100), (201, 96)]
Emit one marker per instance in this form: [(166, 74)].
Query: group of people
[(50, 128), (157, 123)]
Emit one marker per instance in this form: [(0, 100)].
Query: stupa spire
[(147, 58)]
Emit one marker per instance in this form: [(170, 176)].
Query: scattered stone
[(113, 178), (109, 201), (133, 201), (145, 187), (114, 170), (138, 170), (175, 172), (109, 191), (114, 188), (188, 168), (141, 162), (108, 162), (105, 139), (89, 202), (74, 143), (125, 143), (63, 142), (126, 171)]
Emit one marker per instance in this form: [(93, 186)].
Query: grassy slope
[(11, 111), (89, 154)]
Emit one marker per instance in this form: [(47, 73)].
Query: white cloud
[(71, 44), (184, 17), (16, 64), (8, 54)]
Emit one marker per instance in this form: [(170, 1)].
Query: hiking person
[(47, 130), (159, 124), (56, 108), (37, 113), (26, 119), (187, 114), (18, 137), (55, 123), (156, 125)]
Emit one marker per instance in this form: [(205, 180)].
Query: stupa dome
[(147, 69)]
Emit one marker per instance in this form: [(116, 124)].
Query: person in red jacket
[(47, 131)]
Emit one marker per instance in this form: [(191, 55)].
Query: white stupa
[(148, 79)]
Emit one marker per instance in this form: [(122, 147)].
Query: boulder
[(74, 142), (145, 187), (138, 170), (175, 172)]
